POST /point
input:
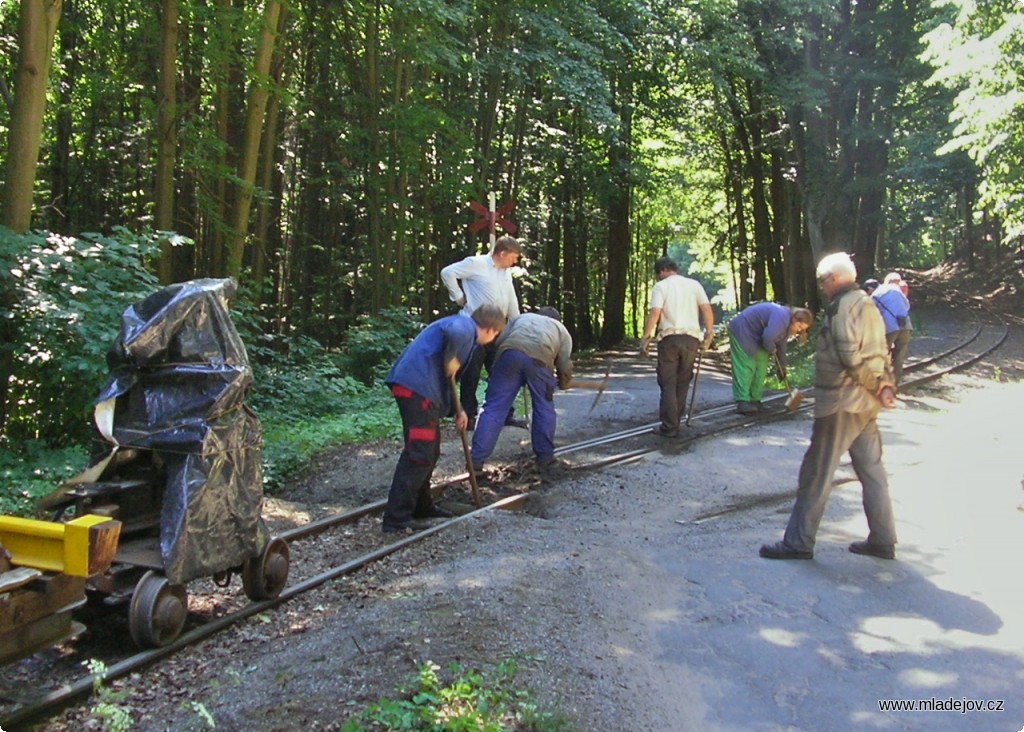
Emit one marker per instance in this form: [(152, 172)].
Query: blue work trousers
[(512, 370)]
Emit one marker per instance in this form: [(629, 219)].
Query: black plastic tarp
[(179, 375)]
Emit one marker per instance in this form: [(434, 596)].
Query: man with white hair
[(895, 309), (853, 381)]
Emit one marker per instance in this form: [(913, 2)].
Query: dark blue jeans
[(512, 370)]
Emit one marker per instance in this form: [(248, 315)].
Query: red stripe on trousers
[(422, 434)]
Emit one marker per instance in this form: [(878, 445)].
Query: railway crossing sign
[(490, 217)]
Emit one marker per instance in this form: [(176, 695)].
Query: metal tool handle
[(693, 393), (477, 500)]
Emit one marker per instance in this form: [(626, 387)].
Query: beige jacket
[(543, 339), (852, 361)]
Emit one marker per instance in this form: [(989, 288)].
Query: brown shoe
[(882, 551), (779, 550)]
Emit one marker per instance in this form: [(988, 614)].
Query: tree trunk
[(167, 100), (37, 26), (259, 92), (266, 236), (620, 162)]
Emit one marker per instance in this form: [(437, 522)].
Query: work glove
[(709, 341), (645, 347)]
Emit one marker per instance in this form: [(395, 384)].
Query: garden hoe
[(598, 386), (693, 394), (795, 395)]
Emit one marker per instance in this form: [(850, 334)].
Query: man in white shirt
[(678, 304), (483, 279)]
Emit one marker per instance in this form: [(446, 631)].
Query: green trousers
[(748, 374)]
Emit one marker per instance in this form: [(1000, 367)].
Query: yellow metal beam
[(80, 548)]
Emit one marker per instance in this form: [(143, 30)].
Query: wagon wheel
[(157, 611), (264, 577)]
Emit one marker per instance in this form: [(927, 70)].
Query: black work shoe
[(662, 432), (882, 551), (550, 464), (435, 512), (407, 527), (746, 408), (516, 422), (779, 550)]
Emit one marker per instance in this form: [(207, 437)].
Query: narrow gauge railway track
[(986, 332)]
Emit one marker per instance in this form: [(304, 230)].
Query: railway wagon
[(44, 567), (177, 461)]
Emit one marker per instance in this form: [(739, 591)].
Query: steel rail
[(65, 694)]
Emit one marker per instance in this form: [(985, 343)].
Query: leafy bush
[(32, 471), (307, 401), (64, 301), (374, 343), (310, 398)]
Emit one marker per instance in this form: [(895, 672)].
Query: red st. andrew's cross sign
[(492, 218)]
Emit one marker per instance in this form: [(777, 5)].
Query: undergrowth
[(469, 701)]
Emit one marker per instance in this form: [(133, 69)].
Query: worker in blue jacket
[(420, 381), (894, 306), (757, 334)]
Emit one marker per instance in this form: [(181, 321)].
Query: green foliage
[(306, 399), (68, 294), (977, 56), (471, 701), (203, 714), (109, 710), (30, 470), (290, 442), (376, 341)]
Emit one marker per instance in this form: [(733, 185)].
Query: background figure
[(756, 334), (420, 382), (895, 309), (530, 351), (483, 279), (677, 306), (852, 381), (908, 328)]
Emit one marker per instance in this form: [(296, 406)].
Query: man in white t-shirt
[(678, 304)]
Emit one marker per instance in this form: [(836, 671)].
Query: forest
[(333, 156)]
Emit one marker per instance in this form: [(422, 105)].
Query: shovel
[(465, 449), (795, 395)]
